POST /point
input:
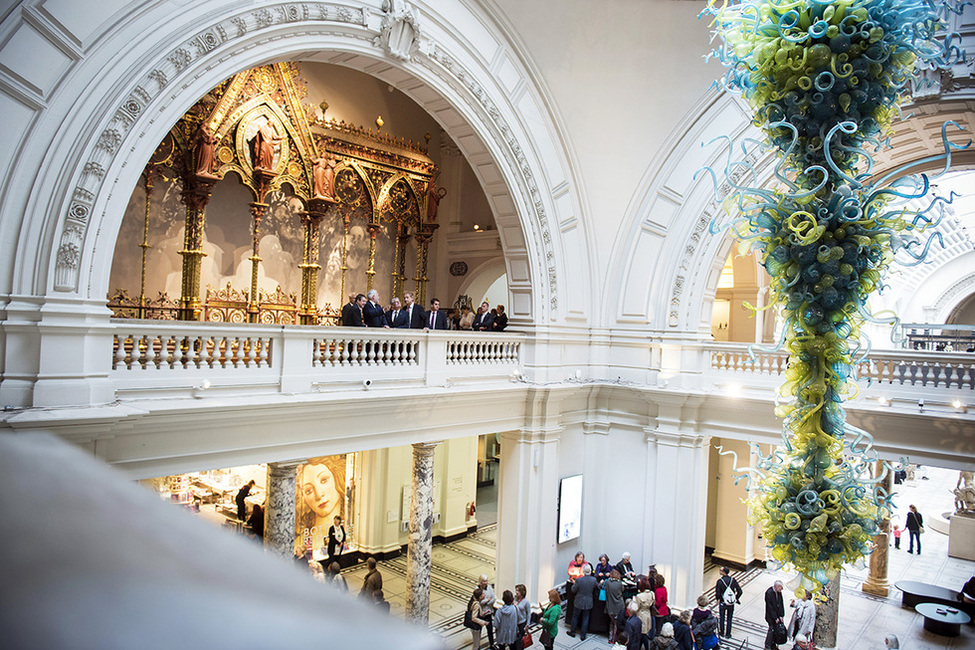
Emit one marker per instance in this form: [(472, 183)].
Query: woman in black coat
[(336, 539), (913, 525)]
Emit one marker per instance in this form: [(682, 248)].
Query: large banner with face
[(321, 498)]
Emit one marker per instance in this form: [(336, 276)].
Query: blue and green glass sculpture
[(825, 81)]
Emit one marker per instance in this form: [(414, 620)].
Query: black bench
[(916, 593)]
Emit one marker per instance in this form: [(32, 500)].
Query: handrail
[(893, 367), (149, 353)]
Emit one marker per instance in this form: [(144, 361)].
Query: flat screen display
[(570, 508)]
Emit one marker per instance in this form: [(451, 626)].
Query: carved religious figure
[(433, 199), (262, 146), (324, 177), (965, 492), (205, 143)]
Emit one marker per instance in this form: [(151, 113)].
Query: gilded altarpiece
[(254, 208)]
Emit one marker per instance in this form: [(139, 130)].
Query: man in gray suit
[(584, 589)]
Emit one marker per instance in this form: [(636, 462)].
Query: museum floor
[(864, 619)]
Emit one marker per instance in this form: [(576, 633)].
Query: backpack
[(728, 597)]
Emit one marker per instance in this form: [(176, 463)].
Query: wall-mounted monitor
[(570, 508)]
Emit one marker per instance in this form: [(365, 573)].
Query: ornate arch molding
[(952, 297), (667, 254), (446, 73)]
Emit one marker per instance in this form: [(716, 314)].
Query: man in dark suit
[(372, 311), (584, 589), (414, 313), (352, 312), (484, 320), (396, 313), (435, 319), (774, 613)]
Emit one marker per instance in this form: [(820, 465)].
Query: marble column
[(279, 516), (418, 557), (876, 583), (827, 615)]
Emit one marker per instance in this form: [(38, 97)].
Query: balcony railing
[(900, 371), (184, 358)]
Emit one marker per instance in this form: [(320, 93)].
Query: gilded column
[(345, 249), (145, 246), (279, 515), (308, 310), (403, 239), (196, 195), (397, 277), (258, 210), (422, 253), (876, 582), (371, 271), (418, 559)]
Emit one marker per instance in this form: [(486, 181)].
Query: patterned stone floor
[(864, 619)]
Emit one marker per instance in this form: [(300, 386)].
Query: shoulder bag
[(469, 619)]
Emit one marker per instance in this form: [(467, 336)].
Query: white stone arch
[(105, 93), (668, 262), (470, 80), (667, 255), (484, 275), (952, 297)]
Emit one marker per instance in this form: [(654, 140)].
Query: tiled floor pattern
[(864, 619)]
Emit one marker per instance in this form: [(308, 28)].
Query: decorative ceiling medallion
[(458, 268)]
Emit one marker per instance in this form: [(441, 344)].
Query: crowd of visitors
[(366, 311), (506, 622), (330, 572), (641, 621)]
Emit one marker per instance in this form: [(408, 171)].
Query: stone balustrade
[(177, 358), (942, 377)]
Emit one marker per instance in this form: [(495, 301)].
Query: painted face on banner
[(319, 490)]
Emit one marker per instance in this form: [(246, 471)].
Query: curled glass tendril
[(824, 79)]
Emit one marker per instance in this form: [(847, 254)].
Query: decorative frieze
[(531, 185)]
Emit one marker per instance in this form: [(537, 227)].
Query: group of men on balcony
[(366, 311)]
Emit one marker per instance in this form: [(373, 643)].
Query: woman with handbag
[(550, 619), (613, 590), (473, 620), (914, 526), (524, 608), (506, 623)]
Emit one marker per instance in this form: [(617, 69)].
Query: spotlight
[(366, 383), (920, 404), (959, 406), (734, 390)]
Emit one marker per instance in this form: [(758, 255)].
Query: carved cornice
[(653, 435)]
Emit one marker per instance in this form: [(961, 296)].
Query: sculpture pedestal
[(961, 537)]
